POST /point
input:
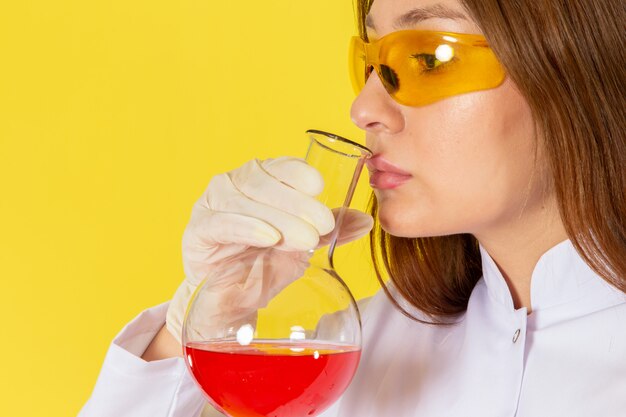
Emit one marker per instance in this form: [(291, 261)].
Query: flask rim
[(363, 151)]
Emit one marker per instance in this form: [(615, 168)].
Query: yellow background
[(114, 115)]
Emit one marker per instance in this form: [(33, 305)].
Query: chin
[(412, 224), (396, 225)]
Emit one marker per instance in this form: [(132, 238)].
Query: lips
[(384, 175)]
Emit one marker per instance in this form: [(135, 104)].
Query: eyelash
[(422, 57)]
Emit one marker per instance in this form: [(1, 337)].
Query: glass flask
[(287, 339)]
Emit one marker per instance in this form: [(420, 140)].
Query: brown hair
[(567, 59)]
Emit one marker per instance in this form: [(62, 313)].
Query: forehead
[(390, 15)]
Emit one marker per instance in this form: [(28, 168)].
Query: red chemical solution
[(270, 379)]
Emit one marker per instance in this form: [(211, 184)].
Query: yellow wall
[(114, 114)]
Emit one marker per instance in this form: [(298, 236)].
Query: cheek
[(473, 157)]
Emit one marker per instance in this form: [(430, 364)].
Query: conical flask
[(287, 339)]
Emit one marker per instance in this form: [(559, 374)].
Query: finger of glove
[(211, 237), (354, 225), (258, 185), (296, 173), (293, 172), (297, 233), (210, 227)]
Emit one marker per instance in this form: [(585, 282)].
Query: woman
[(500, 198)]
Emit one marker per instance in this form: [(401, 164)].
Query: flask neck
[(339, 162), (322, 257)]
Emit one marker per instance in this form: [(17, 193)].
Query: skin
[(163, 346), (476, 162)]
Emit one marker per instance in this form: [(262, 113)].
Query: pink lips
[(384, 175)]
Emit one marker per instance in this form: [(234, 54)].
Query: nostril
[(374, 126)]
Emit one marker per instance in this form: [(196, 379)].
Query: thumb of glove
[(354, 225)]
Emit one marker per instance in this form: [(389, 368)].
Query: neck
[(517, 247)]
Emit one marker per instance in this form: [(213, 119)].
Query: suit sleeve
[(129, 386)]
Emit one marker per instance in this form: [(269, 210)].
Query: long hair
[(567, 59)]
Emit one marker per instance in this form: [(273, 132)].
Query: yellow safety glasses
[(420, 67)]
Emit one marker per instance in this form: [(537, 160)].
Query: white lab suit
[(567, 358)]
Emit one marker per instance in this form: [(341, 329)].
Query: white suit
[(567, 358)]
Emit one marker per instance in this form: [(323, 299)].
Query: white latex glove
[(262, 204)]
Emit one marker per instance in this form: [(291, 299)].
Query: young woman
[(500, 203)]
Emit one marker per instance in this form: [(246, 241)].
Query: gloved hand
[(262, 204)]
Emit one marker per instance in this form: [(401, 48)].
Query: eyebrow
[(414, 16)]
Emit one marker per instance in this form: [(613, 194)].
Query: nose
[(373, 110)]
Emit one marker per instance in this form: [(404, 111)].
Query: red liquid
[(268, 379)]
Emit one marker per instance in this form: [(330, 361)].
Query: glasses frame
[(479, 67)]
